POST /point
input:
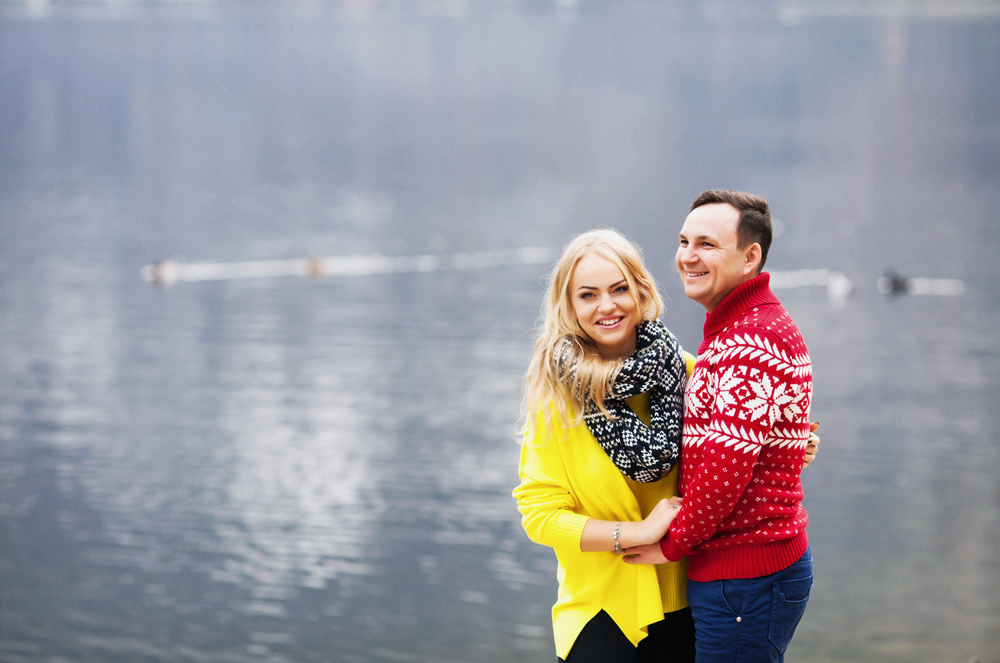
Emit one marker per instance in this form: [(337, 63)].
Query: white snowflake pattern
[(798, 407), (695, 400), (727, 396), (770, 396)]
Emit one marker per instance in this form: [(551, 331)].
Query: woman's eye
[(621, 288)]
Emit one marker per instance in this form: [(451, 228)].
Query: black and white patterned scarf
[(642, 453)]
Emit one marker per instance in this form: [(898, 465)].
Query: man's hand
[(649, 554), (812, 447)]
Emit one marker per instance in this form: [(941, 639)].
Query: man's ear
[(752, 257)]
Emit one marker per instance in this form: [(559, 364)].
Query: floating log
[(893, 284), (167, 272)]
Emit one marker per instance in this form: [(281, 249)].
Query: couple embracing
[(668, 486)]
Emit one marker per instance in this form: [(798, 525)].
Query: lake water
[(319, 469)]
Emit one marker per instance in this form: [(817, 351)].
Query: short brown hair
[(755, 218)]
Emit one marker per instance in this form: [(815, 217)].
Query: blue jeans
[(749, 620)]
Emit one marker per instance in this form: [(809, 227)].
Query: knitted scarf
[(642, 453)]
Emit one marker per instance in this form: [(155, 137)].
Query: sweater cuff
[(671, 550), (567, 529)]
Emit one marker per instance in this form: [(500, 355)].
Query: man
[(746, 426)]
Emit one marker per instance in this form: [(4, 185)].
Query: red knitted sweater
[(746, 425)]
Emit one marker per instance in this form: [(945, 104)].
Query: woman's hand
[(599, 535), (656, 524), (812, 447)]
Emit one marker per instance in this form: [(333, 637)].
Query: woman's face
[(604, 306)]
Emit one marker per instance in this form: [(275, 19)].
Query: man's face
[(709, 261)]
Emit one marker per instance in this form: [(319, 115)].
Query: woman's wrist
[(602, 535), (639, 534), (628, 533)]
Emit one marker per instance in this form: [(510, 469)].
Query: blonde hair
[(556, 385)]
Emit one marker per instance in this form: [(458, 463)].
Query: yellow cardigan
[(569, 480)]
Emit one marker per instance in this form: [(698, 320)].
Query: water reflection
[(320, 469)]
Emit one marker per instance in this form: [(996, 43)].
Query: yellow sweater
[(564, 483)]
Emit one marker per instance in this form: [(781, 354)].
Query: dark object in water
[(892, 283)]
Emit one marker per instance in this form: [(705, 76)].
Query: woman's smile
[(603, 304)]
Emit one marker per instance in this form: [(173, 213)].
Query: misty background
[(318, 468)]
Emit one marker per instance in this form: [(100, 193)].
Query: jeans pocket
[(788, 604), (736, 594)]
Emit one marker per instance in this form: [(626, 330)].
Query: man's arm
[(755, 383), (652, 554)]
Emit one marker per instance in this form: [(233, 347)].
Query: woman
[(604, 406)]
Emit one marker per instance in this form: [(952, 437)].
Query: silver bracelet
[(618, 529)]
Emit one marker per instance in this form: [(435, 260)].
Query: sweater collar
[(747, 295)]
